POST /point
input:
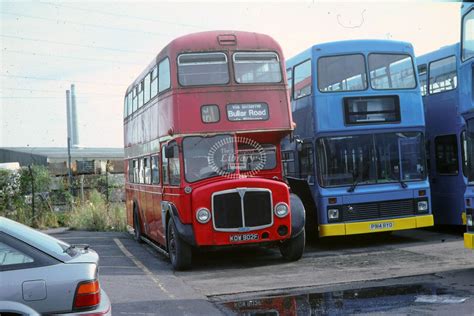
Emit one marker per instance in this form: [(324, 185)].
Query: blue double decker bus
[(357, 155), (467, 110), (445, 95)]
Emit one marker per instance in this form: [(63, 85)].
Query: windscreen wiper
[(353, 186), (402, 183), (356, 181)]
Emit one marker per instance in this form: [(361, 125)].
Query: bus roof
[(466, 7), (351, 46), (222, 40), (444, 51)]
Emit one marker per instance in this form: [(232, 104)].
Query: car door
[(17, 284)]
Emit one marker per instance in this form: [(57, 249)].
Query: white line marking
[(145, 270), (118, 267), (440, 299)]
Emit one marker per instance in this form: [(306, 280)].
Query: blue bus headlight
[(422, 206), (281, 210), (203, 215), (333, 214)]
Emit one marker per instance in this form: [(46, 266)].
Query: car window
[(41, 241), (10, 256)]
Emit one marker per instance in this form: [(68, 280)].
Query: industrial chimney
[(74, 130), (68, 113)]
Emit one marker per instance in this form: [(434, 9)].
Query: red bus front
[(204, 160)]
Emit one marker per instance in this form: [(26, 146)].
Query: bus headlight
[(203, 215), (422, 206), (333, 214), (281, 210), (469, 220)]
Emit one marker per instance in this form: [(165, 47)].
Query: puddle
[(366, 300)]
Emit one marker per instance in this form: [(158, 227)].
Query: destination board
[(247, 112)]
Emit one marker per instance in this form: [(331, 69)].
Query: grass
[(41, 220), (96, 215)]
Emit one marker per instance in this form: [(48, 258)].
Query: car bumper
[(104, 308), (375, 226)]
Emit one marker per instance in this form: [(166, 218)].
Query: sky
[(101, 46)]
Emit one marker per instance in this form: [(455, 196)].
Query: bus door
[(445, 185), (304, 185), (156, 189), (171, 180)]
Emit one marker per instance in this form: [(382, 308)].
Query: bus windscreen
[(370, 159)]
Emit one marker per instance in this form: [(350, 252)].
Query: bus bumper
[(468, 240), (342, 229)]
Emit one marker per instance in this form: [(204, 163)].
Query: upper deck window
[(342, 73), (125, 107), (140, 94), (302, 80), (468, 36), (164, 78), (147, 88), (391, 71), (154, 82), (422, 74), (134, 99), (257, 67), (443, 76), (197, 69), (129, 103)]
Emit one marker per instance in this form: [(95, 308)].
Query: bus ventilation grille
[(227, 40)]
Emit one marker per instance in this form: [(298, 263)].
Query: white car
[(48, 275)]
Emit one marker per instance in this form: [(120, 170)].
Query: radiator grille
[(229, 215), (375, 210)]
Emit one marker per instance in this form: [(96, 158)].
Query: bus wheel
[(292, 249), (137, 234), (179, 251)]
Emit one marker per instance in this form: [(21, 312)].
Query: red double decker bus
[(203, 125)]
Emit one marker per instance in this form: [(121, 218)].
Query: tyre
[(179, 251), (137, 232), (292, 249)]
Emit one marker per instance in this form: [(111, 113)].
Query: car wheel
[(179, 251), (293, 248), (137, 234)]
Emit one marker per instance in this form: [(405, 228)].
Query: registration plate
[(378, 226), (243, 237)]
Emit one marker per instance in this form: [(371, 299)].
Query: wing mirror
[(169, 152)]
